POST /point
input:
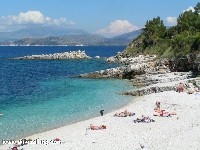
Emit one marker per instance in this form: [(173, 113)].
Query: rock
[(66, 55), (110, 60), (146, 91), (133, 66), (97, 57), (188, 63)]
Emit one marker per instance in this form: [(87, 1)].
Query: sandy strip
[(179, 132)]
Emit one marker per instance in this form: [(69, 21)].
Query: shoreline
[(74, 123), (67, 125), (76, 120), (176, 132)]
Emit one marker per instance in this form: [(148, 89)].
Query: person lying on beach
[(57, 139), (92, 127), (164, 113), (192, 90), (125, 113), (144, 120)]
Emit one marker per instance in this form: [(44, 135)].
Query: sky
[(105, 17)]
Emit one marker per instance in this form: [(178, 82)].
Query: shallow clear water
[(40, 95)]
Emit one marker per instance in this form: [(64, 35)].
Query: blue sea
[(39, 95)]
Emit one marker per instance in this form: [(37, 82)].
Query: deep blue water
[(38, 95), (16, 51)]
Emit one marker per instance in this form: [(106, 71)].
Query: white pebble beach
[(178, 132)]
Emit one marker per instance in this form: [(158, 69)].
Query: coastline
[(158, 84), (176, 132), (63, 76), (116, 101)]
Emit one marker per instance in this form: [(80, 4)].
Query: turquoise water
[(53, 107), (37, 96)]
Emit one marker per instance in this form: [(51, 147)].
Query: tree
[(197, 8), (196, 44), (155, 28), (171, 32), (179, 40), (189, 21)]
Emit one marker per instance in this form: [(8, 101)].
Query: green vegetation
[(179, 40)]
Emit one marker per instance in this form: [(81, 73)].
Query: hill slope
[(40, 32), (176, 41)]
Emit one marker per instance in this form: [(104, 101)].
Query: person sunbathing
[(127, 113), (124, 114), (164, 113), (92, 127), (131, 114), (190, 90), (144, 120), (139, 120)]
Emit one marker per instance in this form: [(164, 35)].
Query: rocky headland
[(66, 55), (146, 72), (160, 52)]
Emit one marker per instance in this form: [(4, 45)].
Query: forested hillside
[(179, 40)]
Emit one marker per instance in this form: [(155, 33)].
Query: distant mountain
[(63, 40), (40, 32), (53, 36), (123, 39)]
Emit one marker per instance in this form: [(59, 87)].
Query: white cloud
[(30, 18), (34, 17), (189, 8), (118, 27), (172, 20)]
